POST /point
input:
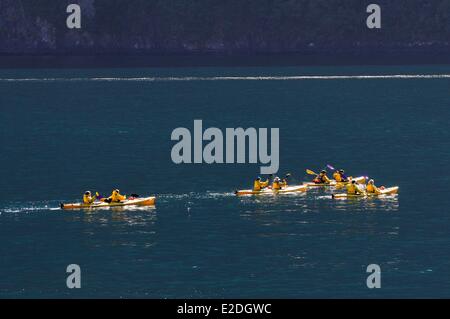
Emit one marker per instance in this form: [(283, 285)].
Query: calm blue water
[(61, 136)]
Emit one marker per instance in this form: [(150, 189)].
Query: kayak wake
[(30, 207), (38, 208), (54, 205), (232, 78), (195, 195)]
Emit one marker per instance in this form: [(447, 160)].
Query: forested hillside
[(222, 26)]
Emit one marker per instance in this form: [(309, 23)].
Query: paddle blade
[(331, 167), (310, 172)]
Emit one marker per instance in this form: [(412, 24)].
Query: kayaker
[(116, 197), (353, 189), (371, 188), (88, 198), (259, 185), (322, 178), (278, 183), (339, 176)]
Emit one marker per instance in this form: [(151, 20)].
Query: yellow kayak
[(333, 183), (144, 201), (270, 191), (386, 191)]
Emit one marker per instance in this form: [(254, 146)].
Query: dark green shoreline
[(210, 60)]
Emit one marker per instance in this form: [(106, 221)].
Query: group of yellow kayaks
[(362, 191), (277, 187)]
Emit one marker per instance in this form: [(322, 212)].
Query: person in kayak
[(353, 189), (339, 176), (115, 197), (278, 183), (322, 178), (88, 198), (371, 188), (259, 185)]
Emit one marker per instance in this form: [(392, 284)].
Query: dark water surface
[(70, 132)]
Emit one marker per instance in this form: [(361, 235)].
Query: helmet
[(258, 178), (371, 181), (353, 182), (87, 193), (323, 171), (116, 191), (341, 171)]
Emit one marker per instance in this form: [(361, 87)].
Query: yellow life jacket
[(88, 199), (116, 197), (258, 185), (279, 185), (337, 177), (353, 189), (372, 189)]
